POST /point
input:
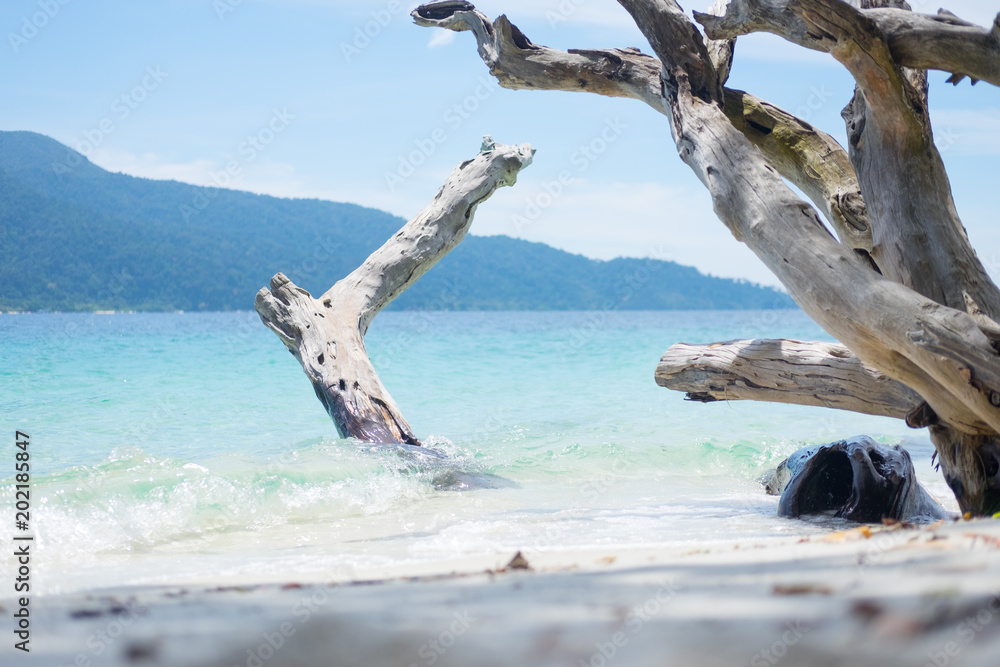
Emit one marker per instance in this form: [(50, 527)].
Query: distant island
[(75, 237)]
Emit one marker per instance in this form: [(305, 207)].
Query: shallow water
[(172, 446)]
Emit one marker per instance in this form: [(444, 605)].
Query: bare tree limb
[(784, 371), (721, 51), (918, 240), (327, 334), (918, 41), (925, 346), (518, 64), (806, 156), (917, 328), (809, 158), (893, 329), (942, 42), (937, 351)]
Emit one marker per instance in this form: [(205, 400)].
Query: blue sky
[(287, 98)]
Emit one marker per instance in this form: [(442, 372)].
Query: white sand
[(897, 597)]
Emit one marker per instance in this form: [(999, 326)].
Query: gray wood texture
[(327, 334), (902, 289), (784, 371)]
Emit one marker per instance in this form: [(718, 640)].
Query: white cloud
[(262, 176), (149, 165), (608, 220), (592, 218), (597, 219), (441, 38)]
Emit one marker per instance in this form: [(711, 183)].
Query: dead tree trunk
[(903, 290), (327, 335)]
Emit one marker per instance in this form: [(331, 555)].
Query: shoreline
[(868, 595)]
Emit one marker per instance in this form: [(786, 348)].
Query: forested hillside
[(76, 237)]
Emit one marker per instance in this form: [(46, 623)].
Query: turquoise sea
[(175, 447)]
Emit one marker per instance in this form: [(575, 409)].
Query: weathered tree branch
[(519, 64), (936, 351), (917, 328), (784, 371), (327, 334), (942, 42), (919, 240), (806, 156), (918, 41), (809, 158), (721, 51)]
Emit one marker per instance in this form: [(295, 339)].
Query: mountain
[(76, 237)]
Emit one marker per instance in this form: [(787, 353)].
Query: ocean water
[(178, 447)]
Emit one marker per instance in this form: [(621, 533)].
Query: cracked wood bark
[(919, 41), (518, 63), (806, 156), (890, 323), (809, 158), (937, 351), (784, 371), (327, 334), (918, 240), (937, 251)]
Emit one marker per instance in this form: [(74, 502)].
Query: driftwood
[(825, 375), (806, 156), (856, 479), (918, 307), (327, 334), (919, 41)]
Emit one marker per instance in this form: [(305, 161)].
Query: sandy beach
[(879, 595)]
